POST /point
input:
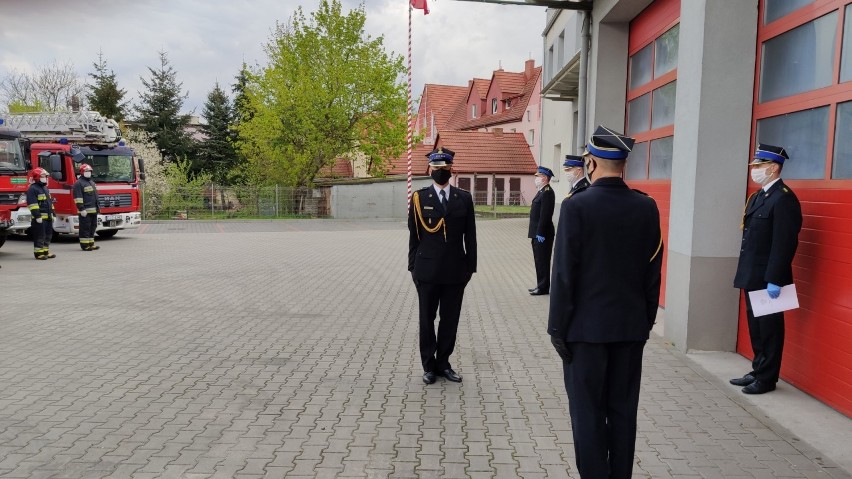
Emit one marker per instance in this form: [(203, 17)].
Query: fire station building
[(698, 83)]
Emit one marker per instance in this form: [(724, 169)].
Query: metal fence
[(216, 201), (499, 197)]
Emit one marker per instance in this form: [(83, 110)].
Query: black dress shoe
[(743, 381), (538, 292), (429, 377), (451, 375), (532, 289), (758, 387)]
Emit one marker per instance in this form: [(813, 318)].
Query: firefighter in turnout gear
[(41, 207), (86, 200)]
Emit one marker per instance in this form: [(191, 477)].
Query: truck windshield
[(111, 168), (11, 157)]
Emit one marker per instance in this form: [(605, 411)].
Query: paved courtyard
[(289, 349)]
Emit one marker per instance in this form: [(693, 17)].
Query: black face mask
[(441, 176)]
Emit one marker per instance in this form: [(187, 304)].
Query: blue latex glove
[(539, 238), (774, 290)]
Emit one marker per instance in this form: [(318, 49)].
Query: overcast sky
[(207, 40)]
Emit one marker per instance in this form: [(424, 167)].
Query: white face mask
[(572, 176), (87, 174), (759, 176), (43, 180), (538, 182)]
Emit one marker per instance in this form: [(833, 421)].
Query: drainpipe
[(585, 46)]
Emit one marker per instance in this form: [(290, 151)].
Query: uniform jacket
[(607, 265), (580, 185), (86, 195), (447, 255), (771, 225), (39, 201), (541, 213)]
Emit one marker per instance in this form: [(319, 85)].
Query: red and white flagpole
[(409, 111)]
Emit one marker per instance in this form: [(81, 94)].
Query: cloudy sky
[(207, 40)]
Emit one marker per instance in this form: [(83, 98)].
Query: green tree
[(328, 90), (216, 153), (105, 97), (159, 111)]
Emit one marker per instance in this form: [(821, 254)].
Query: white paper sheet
[(762, 304)]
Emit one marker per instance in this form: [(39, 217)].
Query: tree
[(105, 97), (216, 152), (51, 88), (159, 111), (328, 90)]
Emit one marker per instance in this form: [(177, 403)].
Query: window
[(800, 60), (776, 9), (473, 111), (651, 103), (803, 134), (846, 51), (532, 138), (493, 105), (842, 164), (508, 104), (528, 115)]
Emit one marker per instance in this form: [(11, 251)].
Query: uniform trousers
[(42, 233), (542, 252), (435, 350), (603, 381), (88, 225), (767, 342)]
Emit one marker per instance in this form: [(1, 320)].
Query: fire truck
[(60, 143), (13, 178)]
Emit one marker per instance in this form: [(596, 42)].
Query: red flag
[(420, 5)]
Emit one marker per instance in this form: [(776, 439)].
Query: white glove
[(83, 213), (39, 220)]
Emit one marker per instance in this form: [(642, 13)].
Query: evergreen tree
[(216, 153), (242, 105), (105, 97), (159, 112)]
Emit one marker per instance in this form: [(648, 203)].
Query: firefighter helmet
[(37, 173), (84, 168)]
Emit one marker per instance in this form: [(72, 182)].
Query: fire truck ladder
[(77, 127)]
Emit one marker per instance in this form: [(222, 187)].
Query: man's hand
[(562, 349), (539, 238), (39, 220), (774, 290), (83, 213)]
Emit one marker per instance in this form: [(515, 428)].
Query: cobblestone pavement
[(288, 349)]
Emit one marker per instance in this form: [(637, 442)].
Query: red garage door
[(652, 82), (803, 101)]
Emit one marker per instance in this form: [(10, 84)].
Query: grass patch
[(521, 210)]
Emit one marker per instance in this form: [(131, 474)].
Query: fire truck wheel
[(107, 233)]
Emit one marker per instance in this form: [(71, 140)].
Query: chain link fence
[(216, 202)]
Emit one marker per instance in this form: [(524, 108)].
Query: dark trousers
[(767, 342), (603, 382), (88, 225), (435, 350), (42, 233), (542, 253)]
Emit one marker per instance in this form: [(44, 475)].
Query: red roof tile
[(488, 152), (342, 168), (460, 121), (441, 101), (419, 163)]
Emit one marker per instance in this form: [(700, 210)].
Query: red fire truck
[(60, 143), (13, 177)]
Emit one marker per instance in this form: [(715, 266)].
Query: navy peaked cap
[(764, 153), (609, 144), (572, 160), (440, 156)]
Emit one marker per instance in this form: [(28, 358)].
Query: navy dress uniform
[(572, 161), (603, 303), (442, 259), (40, 205), (541, 232), (771, 223), (86, 199)]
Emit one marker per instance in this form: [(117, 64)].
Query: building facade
[(698, 83)]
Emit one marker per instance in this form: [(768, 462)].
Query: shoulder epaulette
[(546, 187), (785, 189), (578, 190)]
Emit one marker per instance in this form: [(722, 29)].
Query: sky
[(208, 40)]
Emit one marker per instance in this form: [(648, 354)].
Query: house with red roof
[(492, 125)]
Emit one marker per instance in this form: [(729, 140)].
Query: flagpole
[(409, 116)]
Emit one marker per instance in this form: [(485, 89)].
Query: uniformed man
[(771, 224), (603, 303), (41, 207), (541, 229), (574, 174), (442, 259), (86, 199)]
